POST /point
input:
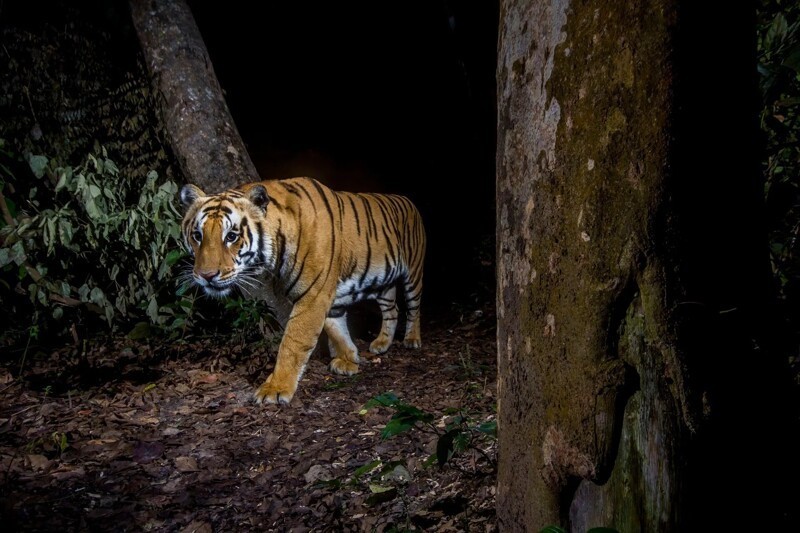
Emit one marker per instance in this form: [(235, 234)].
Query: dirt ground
[(147, 436)]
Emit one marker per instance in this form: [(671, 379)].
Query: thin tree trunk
[(203, 135)]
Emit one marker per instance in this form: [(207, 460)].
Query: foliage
[(459, 434), (779, 69), (87, 234), (251, 317), (87, 237)]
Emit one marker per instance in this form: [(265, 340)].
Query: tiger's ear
[(258, 195), (190, 194)]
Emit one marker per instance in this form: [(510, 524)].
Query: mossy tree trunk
[(203, 135), (632, 268)]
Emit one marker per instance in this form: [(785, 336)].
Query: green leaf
[(40, 294), (775, 33), (334, 483), (65, 231), (461, 442), (91, 207), (12, 207), (381, 497), (62, 181), (38, 163), (397, 426), (18, 253), (488, 428), (377, 489), (363, 469), (552, 529), (152, 310), (181, 290), (50, 234), (792, 59), (83, 293), (5, 257), (387, 399), (140, 331), (410, 412), (96, 296), (111, 167)]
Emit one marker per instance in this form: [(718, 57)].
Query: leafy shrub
[(90, 238), (779, 69), (460, 433)]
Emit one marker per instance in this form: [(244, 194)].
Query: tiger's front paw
[(275, 391), (343, 366), (412, 342), (381, 344)]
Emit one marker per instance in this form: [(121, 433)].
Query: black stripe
[(279, 259), (371, 227), (300, 296), (297, 246), (351, 267), (387, 272), (289, 187), (300, 273), (259, 242), (355, 211), (333, 222), (340, 203), (308, 195), (366, 268), (389, 245)]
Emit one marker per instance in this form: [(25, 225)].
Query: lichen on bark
[(583, 144), (203, 135)]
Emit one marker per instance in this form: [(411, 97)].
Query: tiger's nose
[(207, 275)]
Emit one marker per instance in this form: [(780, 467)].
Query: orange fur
[(326, 249)]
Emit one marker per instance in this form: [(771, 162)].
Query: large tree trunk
[(631, 268), (203, 135)]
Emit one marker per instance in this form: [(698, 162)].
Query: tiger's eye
[(196, 235), (231, 237)]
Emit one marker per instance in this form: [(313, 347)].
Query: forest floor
[(126, 435)]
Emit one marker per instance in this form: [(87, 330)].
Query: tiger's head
[(225, 233)]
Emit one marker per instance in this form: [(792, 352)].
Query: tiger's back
[(327, 250)]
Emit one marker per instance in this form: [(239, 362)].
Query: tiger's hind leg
[(388, 304), (344, 353), (412, 288)]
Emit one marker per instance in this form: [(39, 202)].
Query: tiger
[(325, 249)]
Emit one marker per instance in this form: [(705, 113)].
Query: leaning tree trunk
[(630, 267), (203, 135)]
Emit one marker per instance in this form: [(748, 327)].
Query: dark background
[(374, 96)]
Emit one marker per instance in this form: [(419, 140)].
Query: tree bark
[(203, 135), (624, 325)]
